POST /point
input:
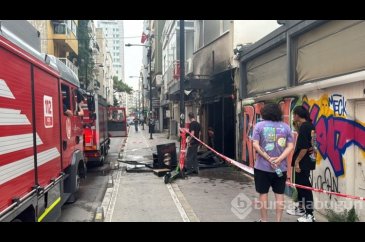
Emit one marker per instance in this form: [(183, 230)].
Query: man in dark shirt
[(303, 164), (192, 164)]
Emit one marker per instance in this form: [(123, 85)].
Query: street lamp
[(149, 56)]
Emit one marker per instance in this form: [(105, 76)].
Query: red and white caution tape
[(250, 170), (326, 192)]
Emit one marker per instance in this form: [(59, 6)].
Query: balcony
[(172, 74), (70, 65), (63, 37)]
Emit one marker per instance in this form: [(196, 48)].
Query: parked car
[(130, 120)]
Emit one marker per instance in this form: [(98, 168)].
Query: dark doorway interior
[(221, 115)]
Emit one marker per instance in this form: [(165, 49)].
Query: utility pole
[(143, 106), (139, 104), (182, 74), (150, 60)]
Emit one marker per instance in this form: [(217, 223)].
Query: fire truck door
[(47, 126)]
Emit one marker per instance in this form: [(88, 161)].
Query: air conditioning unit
[(189, 66)]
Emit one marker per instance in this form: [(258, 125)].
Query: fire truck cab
[(41, 152), (117, 122)]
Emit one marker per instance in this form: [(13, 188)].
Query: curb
[(100, 211), (103, 209), (99, 215)]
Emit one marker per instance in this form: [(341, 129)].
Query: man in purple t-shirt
[(273, 141)]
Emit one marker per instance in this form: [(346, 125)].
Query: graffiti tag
[(334, 135), (338, 104), (327, 181)]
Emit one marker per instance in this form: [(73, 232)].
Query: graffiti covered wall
[(339, 135)]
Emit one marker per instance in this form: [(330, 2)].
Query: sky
[(132, 55)]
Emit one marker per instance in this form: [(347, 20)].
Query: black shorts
[(264, 179)]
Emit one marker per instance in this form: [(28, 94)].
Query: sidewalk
[(218, 194), (141, 196)]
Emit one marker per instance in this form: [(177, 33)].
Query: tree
[(120, 86), (85, 58)]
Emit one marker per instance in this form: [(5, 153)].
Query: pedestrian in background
[(192, 164), (136, 123), (273, 141), (303, 164)]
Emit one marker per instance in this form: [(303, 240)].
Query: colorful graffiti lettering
[(252, 114), (338, 104), (334, 135)]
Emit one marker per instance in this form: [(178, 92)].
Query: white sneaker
[(296, 211), (306, 218)]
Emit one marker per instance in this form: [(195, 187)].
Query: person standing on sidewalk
[(303, 164), (136, 123), (273, 141), (192, 164)]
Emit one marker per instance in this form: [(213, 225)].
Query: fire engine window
[(78, 100), (65, 98)]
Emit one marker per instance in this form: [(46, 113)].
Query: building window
[(74, 27), (209, 30), (225, 26), (69, 26), (200, 31)]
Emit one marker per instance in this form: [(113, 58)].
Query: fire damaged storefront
[(218, 112)]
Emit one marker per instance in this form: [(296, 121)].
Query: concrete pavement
[(218, 194)]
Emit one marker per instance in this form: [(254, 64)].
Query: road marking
[(180, 208), (188, 209), (110, 209)]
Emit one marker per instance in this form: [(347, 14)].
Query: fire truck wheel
[(78, 180)]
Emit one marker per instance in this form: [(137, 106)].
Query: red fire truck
[(96, 139), (117, 122), (41, 153)]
